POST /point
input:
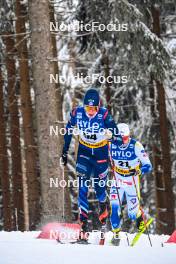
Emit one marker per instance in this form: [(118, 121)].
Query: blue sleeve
[(68, 136), (146, 165), (146, 168)]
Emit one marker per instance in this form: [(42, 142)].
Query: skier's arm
[(146, 165), (110, 124), (112, 128), (68, 136)]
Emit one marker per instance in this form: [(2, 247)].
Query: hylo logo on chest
[(122, 153)]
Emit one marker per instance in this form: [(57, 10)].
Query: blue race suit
[(127, 159), (92, 158)]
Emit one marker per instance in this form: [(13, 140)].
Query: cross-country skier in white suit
[(130, 162)]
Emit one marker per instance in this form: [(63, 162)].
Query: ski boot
[(115, 241), (140, 223), (84, 234)]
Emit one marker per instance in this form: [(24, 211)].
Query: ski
[(137, 236), (79, 242)]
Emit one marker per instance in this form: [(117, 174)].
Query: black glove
[(136, 172), (64, 159), (132, 171)]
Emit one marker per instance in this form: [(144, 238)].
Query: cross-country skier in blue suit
[(92, 159)]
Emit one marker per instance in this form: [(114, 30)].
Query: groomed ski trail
[(18, 247)]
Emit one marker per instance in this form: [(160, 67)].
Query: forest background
[(44, 62)]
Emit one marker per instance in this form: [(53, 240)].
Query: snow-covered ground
[(24, 248)]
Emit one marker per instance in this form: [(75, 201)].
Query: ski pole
[(63, 191), (121, 212), (142, 211)]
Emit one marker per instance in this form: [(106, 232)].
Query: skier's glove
[(136, 172), (132, 171), (117, 139), (108, 134), (64, 159)]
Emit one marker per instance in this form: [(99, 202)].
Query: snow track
[(24, 248)]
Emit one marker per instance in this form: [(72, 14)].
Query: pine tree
[(33, 194), (46, 110), (18, 202), (4, 164), (165, 200), (59, 105)]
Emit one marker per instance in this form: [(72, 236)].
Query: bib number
[(90, 136), (123, 163)]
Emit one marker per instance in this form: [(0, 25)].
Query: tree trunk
[(33, 188), (105, 64), (18, 202), (165, 197), (46, 110), (59, 97), (59, 100), (4, 166), (160, 201), (166, 163)]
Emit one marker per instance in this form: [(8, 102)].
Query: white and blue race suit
[(92, 157), (127, 159)]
